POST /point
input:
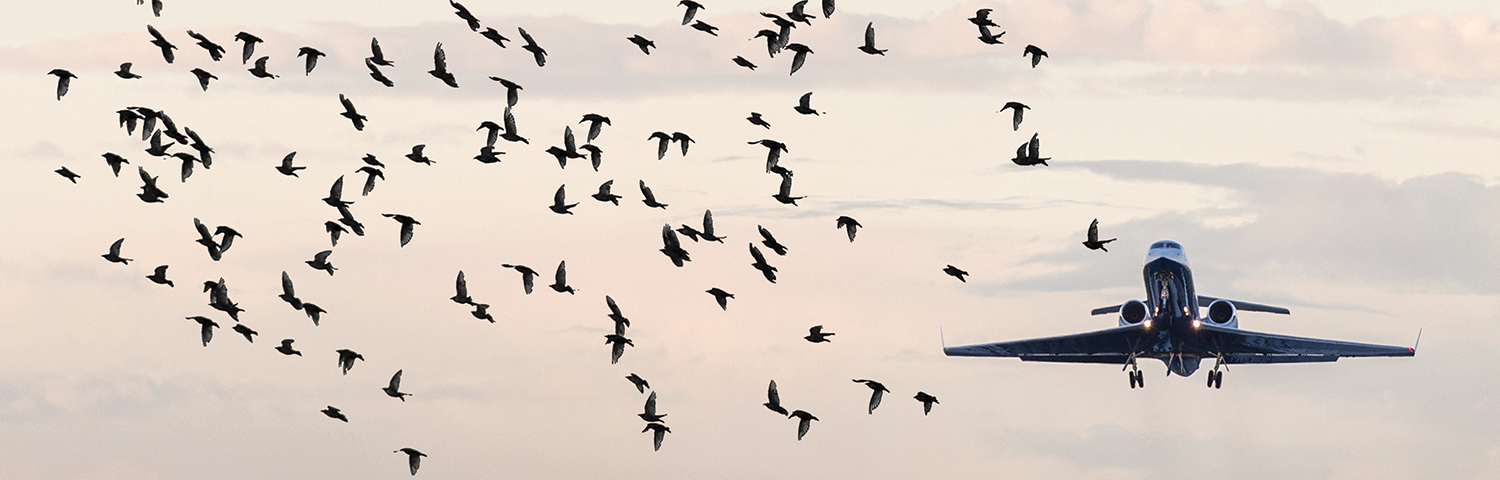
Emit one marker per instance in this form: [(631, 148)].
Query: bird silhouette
[(798, 13), (804, 419), (417, 156), (206, 330), (314, 312), (672, 247), (68, 174), (286, 167), (1093, 241), (649, 411), (159, 277), (114, 253), (770, 241), (650, 199), (510, 134), (63, 78), (690, 232), (876, 391), (334, 413), (462, 287), (760, 264), (773, 400), (567, 151), (705, 28), (375, 74), (320, 262), (800, 57), (241, 329), (642, 43), (804, 105), (989, 38), (286, 349), (334, 230), (816, 335), (473, 25), (128, 120), (394, 390), (488, 155), (614, 314), (869, 46), (288, 293), (162, 43), (481, 311), (335, 196), (662, 140), (604, 195), (440, 67), (413, 457), (596, 156), (848, 224), (1020, 109), (249, 47), (617, 348), (347, 358), (155, 7), (956, 273), (773, 39), (536, 50), (408, 225), (312, 55), (371, 173), (721, 296), (783, 33), (741, 61), (1036, 54), (708, 228), (640, 383), (560, 279), (1029, 153), (784, 193), (596, 124), (692, 9), (215, 51), (206, 239), (495, 36), (927, 401), (528, 276), (259, 70), (347, 218), (682, 140), (827, 8), (187, 164), (661, 432), (377, 56), (372, 161), (755, 119), (203, 77), (149, 192), (512, 92), (492, 132), (351, 114), (773, 155)]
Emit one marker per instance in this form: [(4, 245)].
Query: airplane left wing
[(1240, 346), (1112, 345)]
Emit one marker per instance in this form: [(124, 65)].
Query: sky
[(1335, 157)]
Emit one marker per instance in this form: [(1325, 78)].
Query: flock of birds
[(155, 124)]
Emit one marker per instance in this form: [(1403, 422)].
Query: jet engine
[(1133, 312), (1222, 313)]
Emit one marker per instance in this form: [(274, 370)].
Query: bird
[(149, 192), (162, 43), (614, 314), (228, 237), (349, 113), (206, 239), (440, 67), (114, 253), (568, 150), (755, 119), (773, 400), (662, 140), (1093, 241), (804, 419), (869, 46), (413, 457), (1019, 109), (848, 224), (661, 432), (187, 164), (372, 161), (335, 196), (804, 105), (347, 358), (215, 51), (827, 8), (800, 57), (155, 6), (784, 193), (690, 232), (246, 331), (528, 276), (705, 28), (375, 74), (371, 173), (333, 412), (721, 296), (125, 73), (798, 14), (1029, 153), (596, 156), (650, 199), (347, 218), (640, 383), (560, 279), (312, 58), (1036, 54), (377, 56), (286, 349), (816, 335), (128, 120), (249, 48), (462, 296), (510, 134), (536, 50), (596, 124), (982, 18), (417, 156), (320, 262), (876, 391), (770, 241), (259, 70), (773, 40), (512, 92), (492, 134), (708, 228), (604, 195), (672, 247), (408, 225), (68, 174), (927, 401), (481, 311), (988, 38), (206, 332), (473, 25), (783, 33), (159, 277), (773, 156), (692, 9), (394, 390), (289, 294), (649, 411), (285, 168), (617, 348), (760, 264), (642, 42), (956, 273), (682, 140), (495, 36), (743, 62), (63, 78)]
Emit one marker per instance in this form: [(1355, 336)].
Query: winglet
[(945, 341), (1418, 342)]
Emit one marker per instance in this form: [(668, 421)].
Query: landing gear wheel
[(1132, 380), (1140, 378), (1211, 379), (1219, 380)]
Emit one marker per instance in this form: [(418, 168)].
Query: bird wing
[(669, 238), (557, 198), (870, 35), (202, 230), (286, 284), (439, 59), (322, 256), (645, 190), (1034, 148), (613, 309), (1094, 231), (396, 381), (806, 100), (461, 285), (114, 248), (803, 424), (650, 409), (568, 142), (562, 273), (526, 279), (708, 222), (526, 36), (875, 399), (786, 185), (755, 252), (772, 395)]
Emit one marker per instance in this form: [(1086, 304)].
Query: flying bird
[(528, 276), (215, 51), (596, 156), (249, 334), (394, 390), (249, 48), (288, 293), (314, 312), (481, 311), (440, 67), (560, 279), (705, 28), (149, 192), (114, 253), (159, 277), (559, 203), (372, 161), (371, 173), (473, 25), (708, 228), (68, 174), (642, 43), (312, 58), (375, 74), (417, 156), (125, 73), (568, 150), (1019, 109), (988, 38), (982, 18), (690, 232), (848, 224), (661, 432), (760, 264), (377, 56), (827, 8), (187, 164), (869, 46), (927, 401), (351, 114), (614, 314), (63, 78), (816, 335), (640, 383), (604, 195), (773, 40), (783, 33), (286, 349), (692, 9), (673, 248), (876, 391), (408, 225), (414, 458), (770, 241), (804, 419), (804, 105), (682, 140), (662, 140), (784, 193), (203, 77), (1029, 153), (335, 196), (155, 6), (462, 287), (617, 348), (512, 92), (347, 358), (773, 400), (800, 57), (956, 273), (495, 36), (206, 332), (492, 134), (320, 262), (798, 13), (1093, 241), (536, 50), (755, 119), (162, 43), (649, 411), (510, 134), (721, 296), (1036, 54), (596, 124), (333, 412), (650, 199), (775, 149)]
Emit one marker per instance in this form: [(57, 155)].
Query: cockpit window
[(1159, 245)]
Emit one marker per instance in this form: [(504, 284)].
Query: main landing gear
[(1137, 378), (1215, 377)]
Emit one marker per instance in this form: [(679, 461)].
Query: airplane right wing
[(1240, 346)]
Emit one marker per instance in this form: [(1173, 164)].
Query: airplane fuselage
[(1172, 306)]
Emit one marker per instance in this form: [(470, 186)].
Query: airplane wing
[(1103, 346), (1103, 310), (1244, 306), (1240, 346)]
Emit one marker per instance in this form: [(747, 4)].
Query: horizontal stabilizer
[(1105, 310), (1243, 306)]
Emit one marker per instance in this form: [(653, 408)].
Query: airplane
[(1168, 326)]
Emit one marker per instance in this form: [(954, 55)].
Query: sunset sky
[(1338, 158)]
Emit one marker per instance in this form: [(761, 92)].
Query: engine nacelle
[(1222, 313), (1133, 312)]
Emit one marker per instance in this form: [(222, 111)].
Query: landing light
[(1197, 323), (1147, 323)]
